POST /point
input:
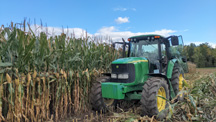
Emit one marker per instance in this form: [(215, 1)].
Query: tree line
[(202, 55)]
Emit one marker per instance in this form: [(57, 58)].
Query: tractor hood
[(135, 67), (130, 60)]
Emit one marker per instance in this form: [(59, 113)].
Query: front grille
[(121, 69)]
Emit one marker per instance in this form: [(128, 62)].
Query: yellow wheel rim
[(161, 103), (180, 82), (108, 102)]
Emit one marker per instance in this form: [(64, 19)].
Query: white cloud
[(111, 32), (123, 9), (120, 9), (52, 31), (117, 35), (107, 29), (186, 30), (133, 9), (121, 20)]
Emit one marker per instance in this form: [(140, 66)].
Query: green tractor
[(151, 70)]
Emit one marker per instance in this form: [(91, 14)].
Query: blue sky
[(195, 20)]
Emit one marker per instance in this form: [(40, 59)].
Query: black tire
[(175, 82), (96, 99), (149, 97)]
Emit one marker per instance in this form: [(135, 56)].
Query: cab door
[(182, 57), (176, 50)]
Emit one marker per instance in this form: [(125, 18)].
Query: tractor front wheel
[(97, 101), (154, 95)]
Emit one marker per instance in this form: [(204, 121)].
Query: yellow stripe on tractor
[(138, 61)]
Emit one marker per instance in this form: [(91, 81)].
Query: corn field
[(48, 78)]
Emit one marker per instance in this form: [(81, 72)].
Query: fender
[(170, 67)]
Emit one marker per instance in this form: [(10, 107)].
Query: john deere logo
[(117, 66)]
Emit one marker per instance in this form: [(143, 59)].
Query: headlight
[(114, 76), (123, 76)]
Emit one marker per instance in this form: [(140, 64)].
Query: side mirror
[(174, 40)]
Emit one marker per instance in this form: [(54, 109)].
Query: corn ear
[(8, 78)]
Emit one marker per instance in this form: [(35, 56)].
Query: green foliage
[(200, 101), (203, 55), (28, 52), (50, 74)]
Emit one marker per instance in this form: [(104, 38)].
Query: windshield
[(144, 48)]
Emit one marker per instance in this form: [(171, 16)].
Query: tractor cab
[(148, 47), (157, 49)]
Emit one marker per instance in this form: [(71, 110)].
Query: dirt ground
[(200, 72), (206, 70)]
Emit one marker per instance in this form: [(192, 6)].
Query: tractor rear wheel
[(152, 102), (97, 101), (177, 82)]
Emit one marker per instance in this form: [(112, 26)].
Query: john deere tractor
[(151, 70)]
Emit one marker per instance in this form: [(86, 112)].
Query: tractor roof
[(149, 35)]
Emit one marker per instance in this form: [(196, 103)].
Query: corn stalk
[(42, 78)]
